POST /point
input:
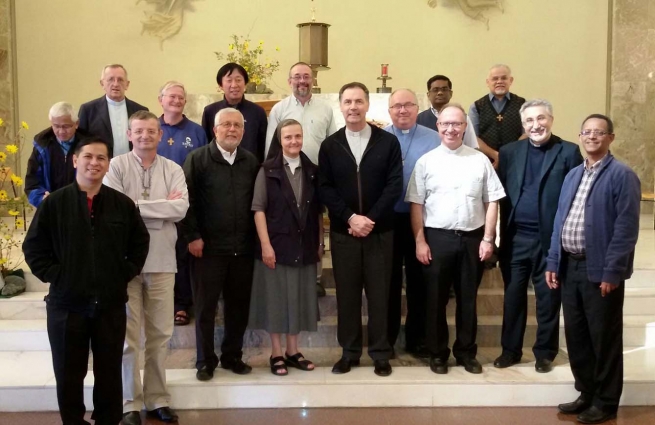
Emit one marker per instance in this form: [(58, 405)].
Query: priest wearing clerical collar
[(106, 117), (232, 78)]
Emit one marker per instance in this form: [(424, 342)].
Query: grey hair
[(170, 84), (501, 65), (407, 90), (113, 65), (537, 102), (219, 114), (62, 109), (456, 106)]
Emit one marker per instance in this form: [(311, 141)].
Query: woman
[(290, 230)]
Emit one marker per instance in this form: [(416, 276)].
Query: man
[(440, 91), (454, 193), (495, 116), (106, 117), (50, 166), (87, 240), (591, 255), (415, 141), (157, 186), (532, 172), (313, 114), (220, 228), (360, 178), (180, 136), (232, 79)]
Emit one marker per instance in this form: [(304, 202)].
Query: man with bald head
[(415, 140), (496, 116), (454, 193)]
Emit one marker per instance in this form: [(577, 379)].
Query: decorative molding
[(474, 9)]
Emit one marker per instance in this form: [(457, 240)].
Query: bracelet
[(488, 240)]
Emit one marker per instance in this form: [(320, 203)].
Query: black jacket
[(372, 189), (220, 200), (87, 260)]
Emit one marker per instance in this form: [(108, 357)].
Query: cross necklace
[(146, 177), (403, 155)]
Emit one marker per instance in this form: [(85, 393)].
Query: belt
[(460, 232), (576, 257)]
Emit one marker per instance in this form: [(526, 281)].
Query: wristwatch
[(488, 240)]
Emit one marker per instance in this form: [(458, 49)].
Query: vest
[(497, 133)]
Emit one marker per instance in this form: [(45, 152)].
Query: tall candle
[(385, 69)]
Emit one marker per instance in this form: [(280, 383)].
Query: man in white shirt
[(158, 187), (454, 193)]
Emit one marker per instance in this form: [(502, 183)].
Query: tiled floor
[(366, 416)]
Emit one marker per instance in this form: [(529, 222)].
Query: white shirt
[(470, 139), (315, 117), (229, 157), (118, 119), (454, 185), (357, 141)]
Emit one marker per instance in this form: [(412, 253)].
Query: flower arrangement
[(259, 69)]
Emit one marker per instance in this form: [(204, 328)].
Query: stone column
[(8, 86)]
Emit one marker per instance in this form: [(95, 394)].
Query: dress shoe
[(382, 367), (419, 350), (438, 365), (471, 365), (344, 365), (506, 360), (575, 407), (164, 414), (543, 365), (320, 290), (237, 366), (594, 415), (131, 418), (204, 374)]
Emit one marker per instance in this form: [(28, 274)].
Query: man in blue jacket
[(591, 255)]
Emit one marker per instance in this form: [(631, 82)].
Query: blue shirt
[(497, 104), (414, 143), (180, 139)]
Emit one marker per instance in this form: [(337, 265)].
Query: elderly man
[(454, 193), (180, 136), (221, 232), (495, 116), (591, 255), (360, 177), (88, 241), (157, 186), (106, 117), (415, 141), (440, 91), (232, 78), (50, 166), (532, 172)]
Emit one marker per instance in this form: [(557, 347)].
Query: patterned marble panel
[(633, 13)]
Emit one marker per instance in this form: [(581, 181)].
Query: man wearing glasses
[(454, 194), (591, 255), (415, 141), (440, 91)]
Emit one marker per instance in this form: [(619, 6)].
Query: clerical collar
[(364, 133), (543, 145), (451, 151), (409, 130), (113, 102)]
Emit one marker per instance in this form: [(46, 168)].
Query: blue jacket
[(611, 221)]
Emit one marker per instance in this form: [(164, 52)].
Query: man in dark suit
[(532, 171), (106, 117)]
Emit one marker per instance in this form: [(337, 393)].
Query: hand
[(361, 226), (45, 195), (495, 164), (485, 250), (423, 254), (268, 256), (176, 194), (551, 280), (606, 288), (321, 251), (196, 247)]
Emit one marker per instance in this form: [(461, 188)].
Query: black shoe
[(164, 414), (382, 367), (204, 374), (419, 350), (320, 290), (471, 365), (575, 407), (506, 360), (344, 365), (438, 365), (543, 365), (131, 418), (594, 415), (237, 366)]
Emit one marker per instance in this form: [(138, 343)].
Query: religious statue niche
[(472, 8), (166, 21)]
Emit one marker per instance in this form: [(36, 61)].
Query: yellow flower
[(231, 46), (2, 122), (261, 42), (245, 46), (12, 149), (17, 180), (3, 157), (13, 212), (268, 65), (19, 222), (3, 261), (277, 49), (7, 237), (3, 195), (24, 125)]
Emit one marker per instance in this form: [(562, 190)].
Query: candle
[(385, 69)]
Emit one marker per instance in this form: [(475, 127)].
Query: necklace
[(146, 177), (404, 154)]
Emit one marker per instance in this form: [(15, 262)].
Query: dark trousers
[(455, 262), (593, 327), (362, 263), (70, 336), (523, 259), (404, 252), (183, 292), (231, 275)]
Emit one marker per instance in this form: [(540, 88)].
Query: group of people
[(140, 217)]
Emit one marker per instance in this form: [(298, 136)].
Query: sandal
[(181, 318), (298, 361), (278, 369)]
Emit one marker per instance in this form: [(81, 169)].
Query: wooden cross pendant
[(145, 193), (171, 141), (499, 118)]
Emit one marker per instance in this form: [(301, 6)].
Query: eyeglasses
[(399, 106), (440, 90), (453, 124), (588, 133), (540, 119), (175, 97), (302, 78), (62, 127), (228, 125)]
